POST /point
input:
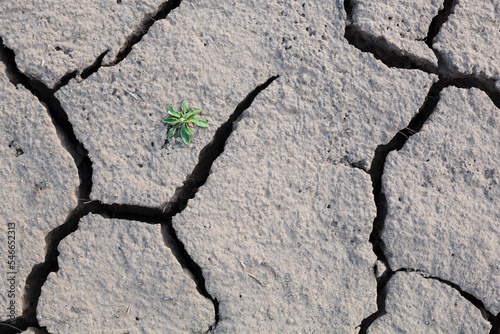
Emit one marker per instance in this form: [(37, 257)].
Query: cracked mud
[(348, 182)]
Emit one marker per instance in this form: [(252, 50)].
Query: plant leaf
[(192, 112), (184, 107), (184, 135), (189, 130), (171, 120), (172, 112), (201, 123), (171, 132)]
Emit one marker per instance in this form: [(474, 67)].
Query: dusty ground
[(348, 181)]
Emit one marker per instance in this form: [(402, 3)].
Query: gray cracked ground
[(145, 277), (52, 40), (431, 307), (128, 169), (451, 161), (400, 25), (462, 40), (38, 180), (296, 223)]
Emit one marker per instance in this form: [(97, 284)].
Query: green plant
[(184, 121)]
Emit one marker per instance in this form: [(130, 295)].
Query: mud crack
[(59, 119), (209, 154), (382, 51), (135, 37), (472, 299), (143, 27), (376, 171), (195, 180), (163, 216), (79, 153), (379, 47), (438, 21)]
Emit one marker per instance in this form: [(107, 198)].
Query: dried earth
[(348, 181)]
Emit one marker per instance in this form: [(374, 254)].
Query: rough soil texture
[(467, 41), (347, 181), (53, 39), (38, 180), (132, 96), (401, 26), (287, 252), (153, 298), (431, 307), (443, 208)]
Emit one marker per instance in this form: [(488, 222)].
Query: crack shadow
[(381, 298), (495, 329), (491, 318), (438, 21), (59, 120), (135, 37), (380, 48), (142, 29), (378, 164), (209, 154), (376, 172), (193, 182), (40, 272)]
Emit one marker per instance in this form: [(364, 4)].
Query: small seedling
[(184, 121)]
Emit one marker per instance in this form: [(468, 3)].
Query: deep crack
[(93, 68), (382, 294), (380, 48), (381, 298), (361, 40), (378, 163), (59, 119), (195, 180), (471, 298), (495, 329), (438, 21), (143, 27), (64, 129), (40, 272), (209, 154), (135, 37), (376, 171), (383, 51)]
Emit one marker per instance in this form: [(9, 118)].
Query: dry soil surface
[(348, 181)]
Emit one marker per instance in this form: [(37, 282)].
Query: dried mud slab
[(118, 276), (417, 305), (469, 42), (442, 195), (53, 38), (38, 180), (400, 26), (281, 226), (280, 232), (232, 48)]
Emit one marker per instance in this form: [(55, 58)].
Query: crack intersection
[(197, 178), (381, 50), (85, 206)]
